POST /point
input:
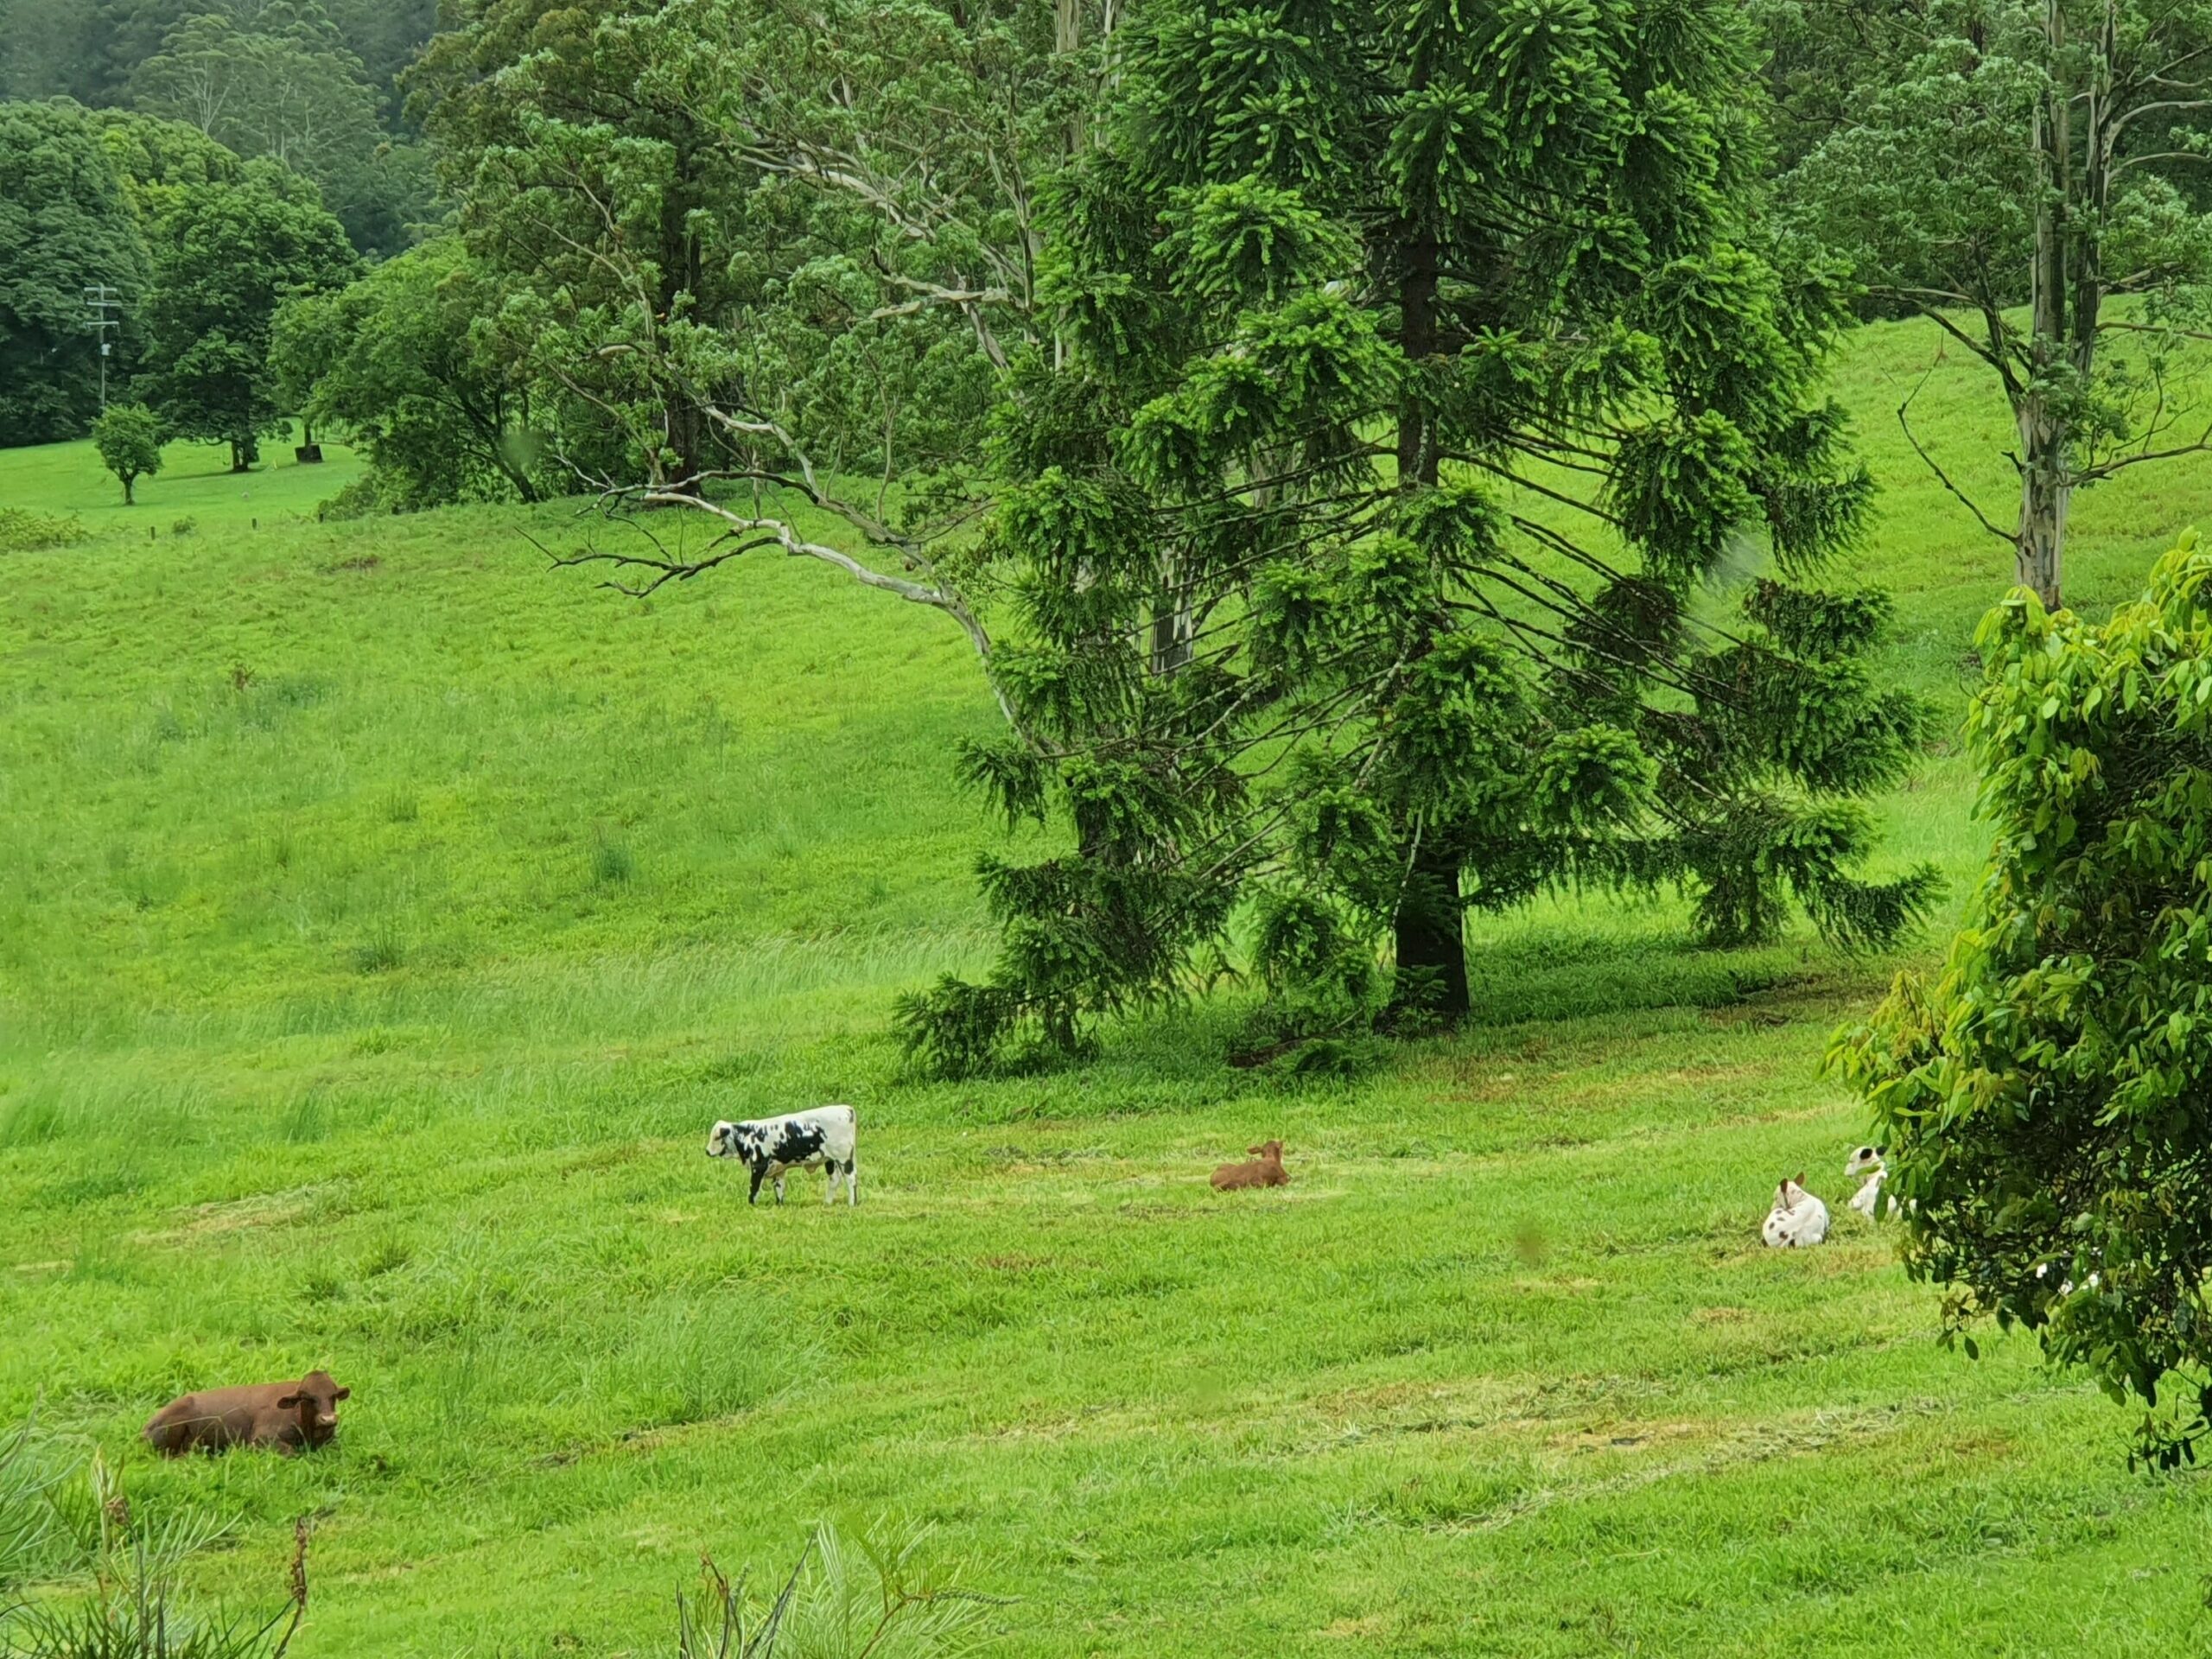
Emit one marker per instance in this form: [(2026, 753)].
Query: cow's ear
[(343, 1393), (289, 1402)]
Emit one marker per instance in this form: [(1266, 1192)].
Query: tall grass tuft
[(112, 1573), (687, 1361), (34, 1120), (33, 1540), (381, 952), (306, 1121), (612, 863), (835, 1604)]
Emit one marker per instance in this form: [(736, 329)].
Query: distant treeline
[(312, 83)]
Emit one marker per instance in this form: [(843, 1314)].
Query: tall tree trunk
[(2045, 489), (1430, 938), (2046, 438), (1067, 38), (682, 273), (1429, 926)]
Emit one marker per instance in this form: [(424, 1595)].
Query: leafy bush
[(23, 531), (2046, 1103), (371, 495)]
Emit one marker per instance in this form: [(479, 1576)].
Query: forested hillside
[(313, 84)]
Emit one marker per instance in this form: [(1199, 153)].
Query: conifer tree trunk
[(1432, 948)]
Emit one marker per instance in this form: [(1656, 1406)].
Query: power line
[(100, 300)]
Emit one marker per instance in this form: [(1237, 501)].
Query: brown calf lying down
[(289, 1416), (1265, 1170)]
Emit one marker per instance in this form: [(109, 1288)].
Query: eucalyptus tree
[(761, 253), (278, 79), (2026, 174)]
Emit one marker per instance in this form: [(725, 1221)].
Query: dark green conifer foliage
[(1420, 389)]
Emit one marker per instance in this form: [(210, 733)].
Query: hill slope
[(383, 918)]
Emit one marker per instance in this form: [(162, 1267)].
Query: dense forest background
[(259, 76)]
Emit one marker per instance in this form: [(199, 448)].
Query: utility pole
[(100, 302)]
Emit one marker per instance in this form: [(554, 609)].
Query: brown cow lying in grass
[(1265, 1170), (289, 1416)]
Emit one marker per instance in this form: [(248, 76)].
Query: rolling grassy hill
[(383, 917)]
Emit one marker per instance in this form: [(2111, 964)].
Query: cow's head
[(315, 1398), (741, 1140), (1863, 1161), (1271, 1149)]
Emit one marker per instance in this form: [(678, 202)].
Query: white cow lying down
[(1867, 1161), (1797, 1219), (827, 1135)]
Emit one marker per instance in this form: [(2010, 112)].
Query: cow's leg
[(780, 1186), (852, 1180), (830, 1192), (759, 1170)]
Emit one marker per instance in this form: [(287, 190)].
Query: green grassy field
[(383, 918)]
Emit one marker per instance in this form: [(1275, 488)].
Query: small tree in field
[(2046, 1103), (129, 438)]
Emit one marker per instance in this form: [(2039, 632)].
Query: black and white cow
[(825, 1136)]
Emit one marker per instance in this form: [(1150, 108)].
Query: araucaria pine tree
[(1421, 385)]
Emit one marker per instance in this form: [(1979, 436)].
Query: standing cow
[(290, 1416), (770, 1146)]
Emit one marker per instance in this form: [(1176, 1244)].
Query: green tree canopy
[(129, 439), (2026, 175), (154, 159), (1417, 370), (2047, 1102), (405, 361), (225, 256), (64, 224)]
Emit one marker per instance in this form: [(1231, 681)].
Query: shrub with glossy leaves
[(2047, 1102)]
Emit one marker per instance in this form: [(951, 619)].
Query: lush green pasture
[(195, 484), (383, 917)]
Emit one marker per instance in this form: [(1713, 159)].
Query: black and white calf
[(825, 1136)]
